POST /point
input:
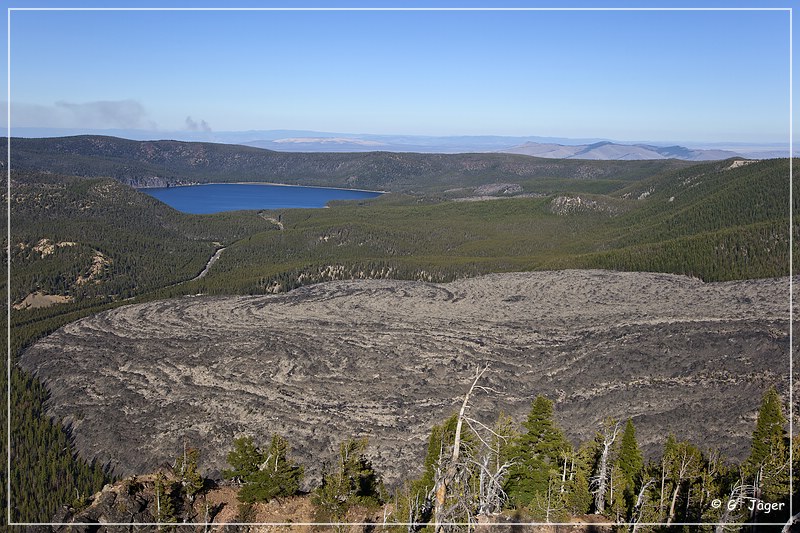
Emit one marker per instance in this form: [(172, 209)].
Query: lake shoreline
[(304, 186), (261, 183), (210, 198)]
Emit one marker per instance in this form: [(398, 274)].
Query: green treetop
[(768, 463), (630, 459), (631, 464), (769, 428), (538, 452), (266, 474)]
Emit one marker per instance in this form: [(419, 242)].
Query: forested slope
[(162, 163), (97, 238), (710, 221)]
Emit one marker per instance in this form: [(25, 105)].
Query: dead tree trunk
[(549, 505), (491, 494), (451, 470), (661, 495), (739, 495), (564, 473), (602, 474), (686, 461), (637, 508)]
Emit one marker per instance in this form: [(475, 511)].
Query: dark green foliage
[(353, 481), (682, 464), (4, 473), (540, 452), (770, 428), (266, 474), (630, 457), (418, 493), (579, 497), (717, 480), (244, 459), (631, 464), (754, 251), (45, 469), (502, 440), (706, 221), (768, 464), (277, 475), (385, 238), (96, 238), (709, 230)]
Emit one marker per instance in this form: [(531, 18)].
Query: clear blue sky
[(626, 75)]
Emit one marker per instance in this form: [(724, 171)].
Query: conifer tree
[(768, 464), (616, 505), (550, 505), (352, 481), (416, 497), (441, 442), (717, 481), (769, 428), (631, 464), (630, 459), (537, 453), (504, 433), (266, 474), (164, 504), (244, 458), (276, 476), (579, 497), (187, 470), (682, 465), (440, 439)]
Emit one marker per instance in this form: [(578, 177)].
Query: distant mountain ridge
[(167, 163), (559, 147), (606, 150)]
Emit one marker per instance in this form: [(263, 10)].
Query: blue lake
[(217, 197)]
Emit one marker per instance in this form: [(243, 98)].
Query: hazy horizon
[(491, 142), (692, 77)]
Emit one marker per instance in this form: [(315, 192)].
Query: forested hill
[(95, 237), (86, 237), (161, 163)]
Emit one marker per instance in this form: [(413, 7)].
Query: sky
[(699, 76)]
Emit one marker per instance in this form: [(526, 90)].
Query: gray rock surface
[(388, 359)]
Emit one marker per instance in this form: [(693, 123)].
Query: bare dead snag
[(638, 508), (686, 461), (740, 494), (491, 494), (451, 470), (601, 480)]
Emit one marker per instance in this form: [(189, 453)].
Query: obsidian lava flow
[(388, 359)]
